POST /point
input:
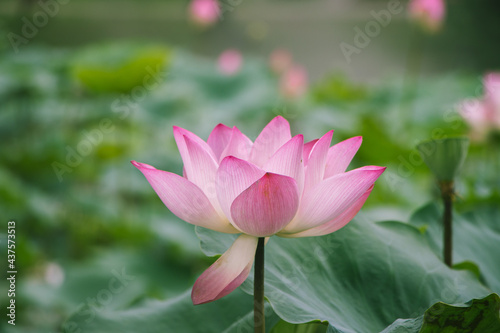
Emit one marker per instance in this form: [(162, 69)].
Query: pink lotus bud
[(429, 13), (280, 60), (204, 12), (230, 61), (294, 82)]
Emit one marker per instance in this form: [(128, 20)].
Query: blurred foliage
[(336, 89), (84, 213), (120, 67)]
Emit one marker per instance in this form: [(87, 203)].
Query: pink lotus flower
[(483, 115), (429, 13), (229, 62), (277, 185), (204, 12), (294, 82)]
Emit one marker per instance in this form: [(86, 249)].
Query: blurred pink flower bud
[(483, 115), (429, 13), (491, 84), (475, 113), (230, 61), (280, 60), (294, 82), (204, 12), (54, 274)]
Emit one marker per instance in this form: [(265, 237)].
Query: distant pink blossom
[(294, 82), (204, 12), (483, 115), (280, 60), (492, 89), (429, 13), (230, 61)]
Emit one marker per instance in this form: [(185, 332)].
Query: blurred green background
[(74, 110)]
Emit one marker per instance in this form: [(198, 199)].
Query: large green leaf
[(284, 327), (476, 238), (477, 315), (233, 313), (359, 279)]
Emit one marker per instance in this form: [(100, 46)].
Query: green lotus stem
[(447, 193), (258, 291)]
